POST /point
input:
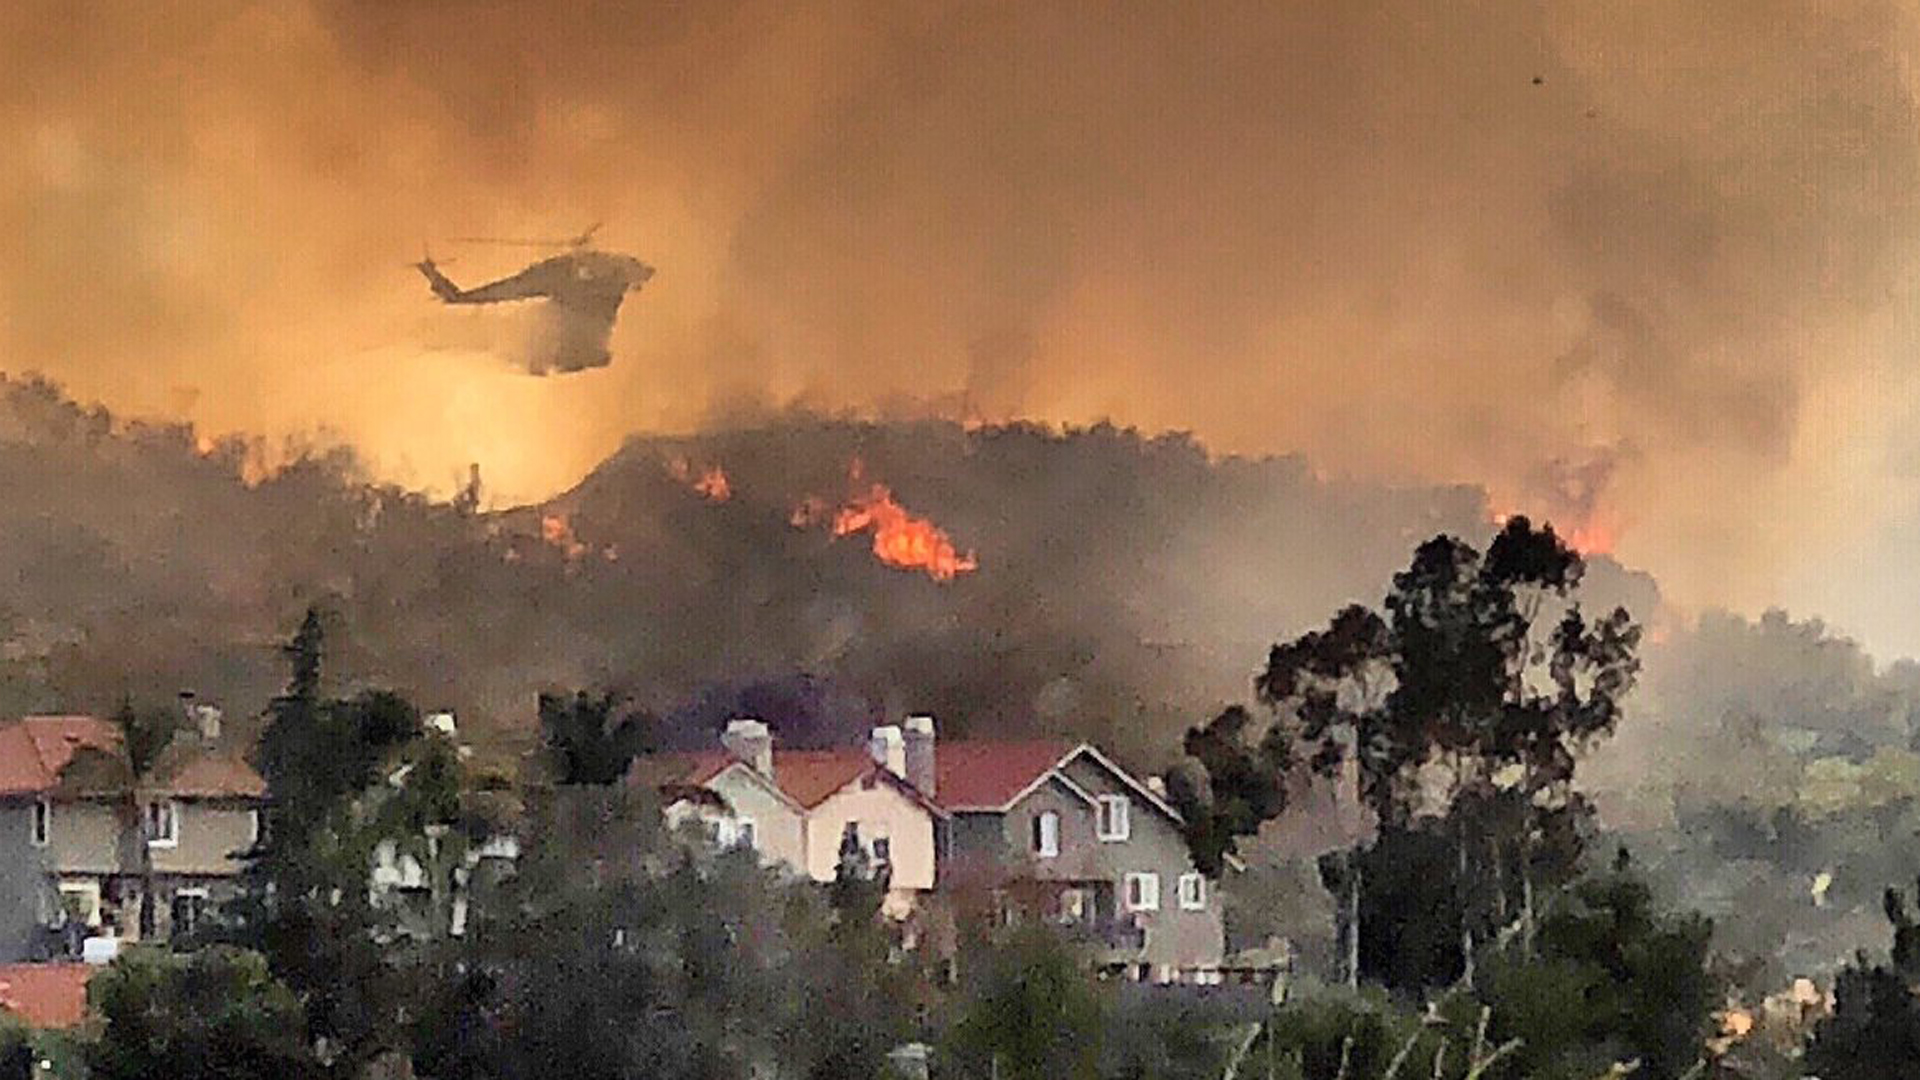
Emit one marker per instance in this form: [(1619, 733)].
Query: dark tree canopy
[(590, 743)]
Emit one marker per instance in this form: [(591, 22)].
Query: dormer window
[(42, 823), (163, 823), (1113, 823)]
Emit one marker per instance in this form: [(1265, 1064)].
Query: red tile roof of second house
[(808, 777), (986, 774), (45, 995), (211, 776), (34, 750)]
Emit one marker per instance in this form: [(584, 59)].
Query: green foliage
[(1152, 1036), (1482, 667), (615, 953), (1031, 1013), (214, 1014), (18, 1058), (343, 776), (147, 730), (1350, 1034), (1874, 1032), (1615, 979), (588, 744)]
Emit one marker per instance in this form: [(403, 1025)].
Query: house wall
[(1176, 938), (211, 833), (86, 837), (26, 888), (777, 828), (874, 804)]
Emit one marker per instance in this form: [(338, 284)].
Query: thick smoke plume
[(1420, 244)]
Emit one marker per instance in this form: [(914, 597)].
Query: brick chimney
[(920, 759), (751, 742), (889, 748)]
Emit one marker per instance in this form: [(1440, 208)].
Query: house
[(799, 807), (1057, 830), (1046, 829), (88, 845)]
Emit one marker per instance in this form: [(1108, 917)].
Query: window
[(1113, 817), (1046, 834), (189, 908), (1073, 905), (1143, 892), (42, 823), (1193, 892), (163, 824), (743, 834), (882, 845), (82, 900)]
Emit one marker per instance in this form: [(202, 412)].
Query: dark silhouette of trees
[(1474, 693), (589, 743), (1874, 1031), (211, 1014)]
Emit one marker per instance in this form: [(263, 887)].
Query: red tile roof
[(34, 750), (808, 777), (45, 995), (986, 774), (214, 777)]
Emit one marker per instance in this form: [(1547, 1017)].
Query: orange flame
[(1588, 538), (557, 530), (711, 481), (900, 539)]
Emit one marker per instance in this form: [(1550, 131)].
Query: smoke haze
[(1650, 267)]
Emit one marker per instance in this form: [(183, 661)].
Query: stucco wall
[(874, 804), (86, 837), (776, 825), (210, 834), (26, 891)]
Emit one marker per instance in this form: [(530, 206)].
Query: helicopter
[(584, 289)]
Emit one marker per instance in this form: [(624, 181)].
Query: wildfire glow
[(557, 530), (900, 539), (1589, 538), (710, 481)]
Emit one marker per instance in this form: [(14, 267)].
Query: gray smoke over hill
[(1125, 585)]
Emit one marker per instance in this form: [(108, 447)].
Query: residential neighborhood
[(100, 855), (1050, 830), (94, 851)]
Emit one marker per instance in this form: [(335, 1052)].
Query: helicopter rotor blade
[(507, 243)]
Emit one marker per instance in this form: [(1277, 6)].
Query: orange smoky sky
[(1645, 265)]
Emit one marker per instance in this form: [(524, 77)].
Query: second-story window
[(1143, 892), (882, 845), (163, 823), (1046, 834), (1113, 817), (42, 823), (743, 833), (1193, 892)]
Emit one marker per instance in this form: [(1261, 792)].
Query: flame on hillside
[(557, 530), (710, 481), (900, 539)]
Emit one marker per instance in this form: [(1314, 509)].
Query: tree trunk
[(1465, 892), (1526, 894), (1353, 918)]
